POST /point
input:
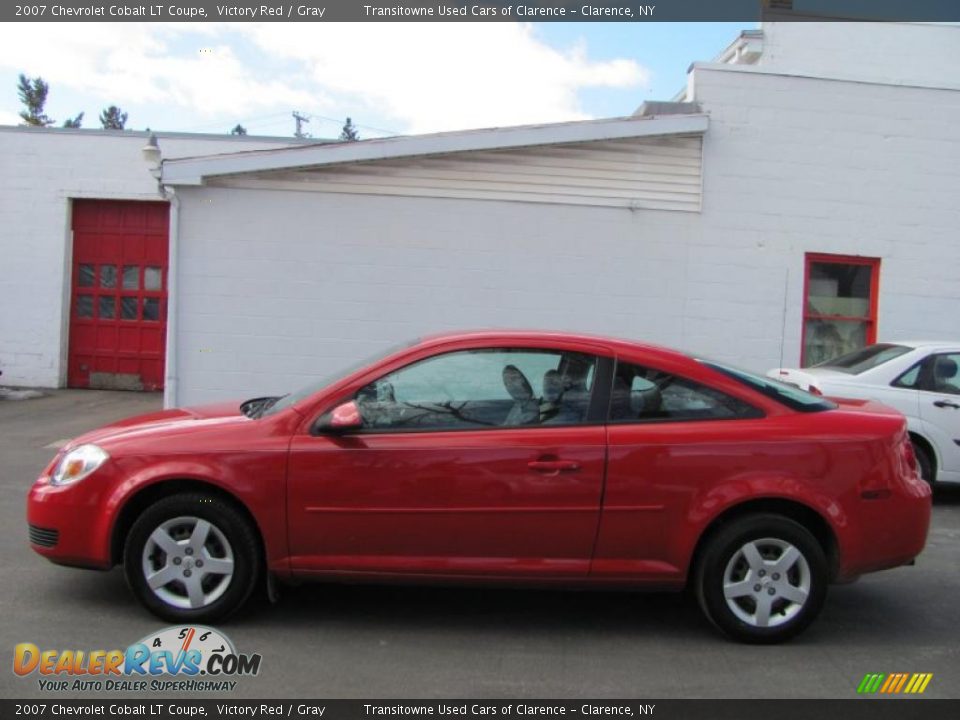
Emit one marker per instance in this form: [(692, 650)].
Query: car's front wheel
[(762, 579), (192, 557)]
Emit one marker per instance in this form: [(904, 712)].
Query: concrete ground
[(380, 642)]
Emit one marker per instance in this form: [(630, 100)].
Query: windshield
[(865, 358), (789, 395), (287, 400)]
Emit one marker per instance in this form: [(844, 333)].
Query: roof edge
[(849, 79), (161, 134), (193, 171)]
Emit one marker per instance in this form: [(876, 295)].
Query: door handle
[(553, 466), (945, 404)]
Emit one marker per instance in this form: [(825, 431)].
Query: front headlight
[(77, 464)]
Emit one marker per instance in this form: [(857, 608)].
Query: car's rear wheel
[(192, 557), (924, 462), (762, 579)]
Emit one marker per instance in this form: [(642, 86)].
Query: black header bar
[(489, 709), (479, 11)]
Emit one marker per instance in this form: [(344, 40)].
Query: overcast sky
[(389, 77)]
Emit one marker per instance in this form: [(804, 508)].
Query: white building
[(46, 173), (801, 198)]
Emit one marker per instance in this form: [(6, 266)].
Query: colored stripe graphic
[(870, 683), (894, 683)]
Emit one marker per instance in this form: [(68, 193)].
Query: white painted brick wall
[(313, 282), (905, 53), (39, 172), (795, 165), (279, 287)]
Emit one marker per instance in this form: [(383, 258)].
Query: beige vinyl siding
[(648, 173)]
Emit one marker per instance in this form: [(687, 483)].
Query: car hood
[(163, 422)]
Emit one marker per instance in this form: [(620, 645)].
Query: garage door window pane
[(108, 276), (151, 278), (85, 277), (85, 306), (128, 308), (108, 308), (131, 277), (151, 309)]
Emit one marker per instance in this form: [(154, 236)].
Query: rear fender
[(753, 488)]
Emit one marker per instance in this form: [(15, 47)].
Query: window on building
[(840, 306)]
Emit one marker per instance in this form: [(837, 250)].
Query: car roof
[(518, 335)]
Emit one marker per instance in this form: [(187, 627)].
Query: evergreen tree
[(239, 130), (33, 95), (113, 118), (349, 132), (73, 122)]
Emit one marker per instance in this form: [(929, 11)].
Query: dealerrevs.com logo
[(177, 658)]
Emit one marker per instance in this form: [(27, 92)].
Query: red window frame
[(870, 319)]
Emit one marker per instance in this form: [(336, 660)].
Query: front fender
[(257, 480)]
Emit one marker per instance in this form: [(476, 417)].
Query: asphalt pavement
[(337, 641)]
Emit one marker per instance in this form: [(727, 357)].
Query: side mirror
[(342, 418)]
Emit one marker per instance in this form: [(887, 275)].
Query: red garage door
[(118, 302)]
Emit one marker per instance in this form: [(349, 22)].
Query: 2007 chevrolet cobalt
[(507, 457)]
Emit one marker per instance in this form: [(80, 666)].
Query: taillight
[(814, 390)]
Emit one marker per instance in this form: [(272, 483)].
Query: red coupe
[(500, 457)]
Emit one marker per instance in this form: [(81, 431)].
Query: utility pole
[(300, 119)]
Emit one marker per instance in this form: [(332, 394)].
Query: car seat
[(525, 409)]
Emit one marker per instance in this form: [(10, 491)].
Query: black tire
[(230, 537), (924, 463), (724, 552)]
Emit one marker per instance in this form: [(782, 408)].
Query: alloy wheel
[(766, 582), (187, 562)]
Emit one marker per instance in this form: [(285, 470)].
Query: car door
[(481, 462), (940, 409)]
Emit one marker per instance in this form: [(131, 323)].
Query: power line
[(366, 127)]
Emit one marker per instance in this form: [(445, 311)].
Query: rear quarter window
[(789, 395)]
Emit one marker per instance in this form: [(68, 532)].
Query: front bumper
[(67, 524)]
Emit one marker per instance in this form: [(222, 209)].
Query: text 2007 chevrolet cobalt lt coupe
[(507, 457)]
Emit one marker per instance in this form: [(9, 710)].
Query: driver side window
[(483, 388)]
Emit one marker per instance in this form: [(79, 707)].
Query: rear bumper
[(891, 530)]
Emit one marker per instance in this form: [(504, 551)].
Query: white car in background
[(920, 379)]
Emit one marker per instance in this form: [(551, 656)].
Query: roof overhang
[(193, 171)]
